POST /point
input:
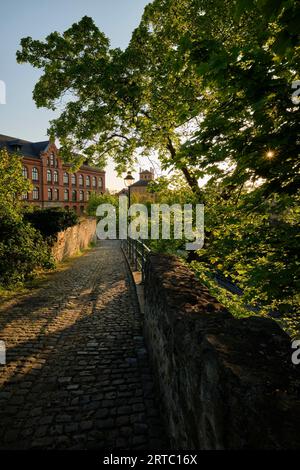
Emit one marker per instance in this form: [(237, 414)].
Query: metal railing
[(137, 252)]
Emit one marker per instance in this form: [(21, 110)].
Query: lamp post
[(128, 180)]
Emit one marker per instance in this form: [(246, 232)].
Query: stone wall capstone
[(73, 239), (225, 383)]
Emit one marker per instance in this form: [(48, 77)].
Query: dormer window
[(16, 147)]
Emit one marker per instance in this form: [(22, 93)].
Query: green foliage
[(109, 95), (98, 199), (170, 191), (22, 251), (258, 249), (12, 184), (50, 221)]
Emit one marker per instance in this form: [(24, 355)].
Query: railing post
[(143, 263), (136, 255), (137, 252)]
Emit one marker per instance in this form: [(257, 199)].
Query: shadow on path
[(77, 373)]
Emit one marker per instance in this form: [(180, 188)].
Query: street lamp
[(128, 180)]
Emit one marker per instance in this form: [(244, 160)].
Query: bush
[(22, 251), (98, 199), (50, 221)]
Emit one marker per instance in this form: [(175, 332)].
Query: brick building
[(139, 188), (53, 183)]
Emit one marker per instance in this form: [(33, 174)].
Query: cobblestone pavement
[(77, 373)]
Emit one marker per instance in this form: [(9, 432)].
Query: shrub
[(50, 221), (22, 251)]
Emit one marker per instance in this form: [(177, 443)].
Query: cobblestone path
[(77, 373)]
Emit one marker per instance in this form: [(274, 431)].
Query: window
[(100, 182), (25, 172), (49, 176), (88, 194), (81, 195), (16, 147), (25, 196), (74, 179), (66, 195), (49, 194), (55, 176), (88, 181), (74, 195), (94, 182), (81, 180), (52, 159), (56, 195), (66, 178), (35, 174), (35, 194)]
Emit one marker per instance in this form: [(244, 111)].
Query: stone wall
[(225, 383), (74, 239)]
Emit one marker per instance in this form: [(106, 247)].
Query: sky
[(19, 117)]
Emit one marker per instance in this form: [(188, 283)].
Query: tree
[(12, 184), (191, 65), (108, 112), (96, 200), (250, 122)]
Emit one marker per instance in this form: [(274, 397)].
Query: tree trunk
[(190, 178)]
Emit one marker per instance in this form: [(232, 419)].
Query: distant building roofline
[(34, 149)]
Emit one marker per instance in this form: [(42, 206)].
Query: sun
[(270, 154)]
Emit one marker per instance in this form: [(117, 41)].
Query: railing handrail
[(137, 252)]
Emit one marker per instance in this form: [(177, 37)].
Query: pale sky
[(19, 117)]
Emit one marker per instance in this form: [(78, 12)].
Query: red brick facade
[(54, 185)]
